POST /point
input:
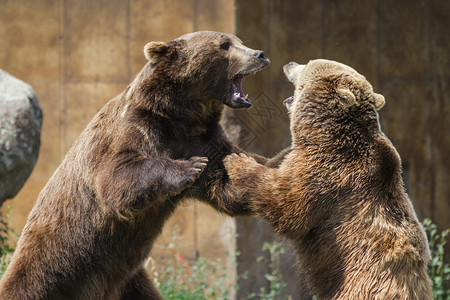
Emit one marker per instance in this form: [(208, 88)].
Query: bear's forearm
[(133, 182), (226, 200), (214, 188), (253, 182)]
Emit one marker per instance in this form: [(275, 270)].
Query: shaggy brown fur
[(338, 195), (97, 218)]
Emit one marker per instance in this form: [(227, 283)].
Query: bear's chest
[(215, 148), (184, 148)]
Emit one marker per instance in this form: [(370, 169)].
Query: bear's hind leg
[(140, 287)]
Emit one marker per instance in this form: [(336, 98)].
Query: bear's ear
[(153, 51), (347, 96), (379, 101)]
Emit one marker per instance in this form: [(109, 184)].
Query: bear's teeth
[(254, 73), (236, 95), (245, 97)]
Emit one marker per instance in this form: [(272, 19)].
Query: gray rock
[(20, 134)]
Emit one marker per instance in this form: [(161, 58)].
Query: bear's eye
[(225, 45)]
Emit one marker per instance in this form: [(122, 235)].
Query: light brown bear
[(96, 219), (338, 194)]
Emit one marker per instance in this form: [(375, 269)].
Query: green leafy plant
[(207, 279), (439, 270), (203, 279), (5, 248), (277, 286)]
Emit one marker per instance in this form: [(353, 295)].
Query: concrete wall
[(401, 47), (78, 54)]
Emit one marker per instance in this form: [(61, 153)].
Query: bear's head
[(206, 66), (325, 90)]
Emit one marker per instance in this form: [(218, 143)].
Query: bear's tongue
[(238, 93)]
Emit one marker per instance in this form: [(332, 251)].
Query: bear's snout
[(259, 54), (292, 69)]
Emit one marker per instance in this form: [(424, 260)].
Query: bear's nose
[(259, 54)]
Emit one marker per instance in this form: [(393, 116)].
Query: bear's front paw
[(238, 166), (194, 168), (186, 173)]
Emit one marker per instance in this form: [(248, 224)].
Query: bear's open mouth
[(238, 94), (238, 98)]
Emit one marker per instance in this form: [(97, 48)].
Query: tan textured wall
[(78, 54), (402, 47)]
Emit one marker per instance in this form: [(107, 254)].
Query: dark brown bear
[(338, 194), (97, 218)]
